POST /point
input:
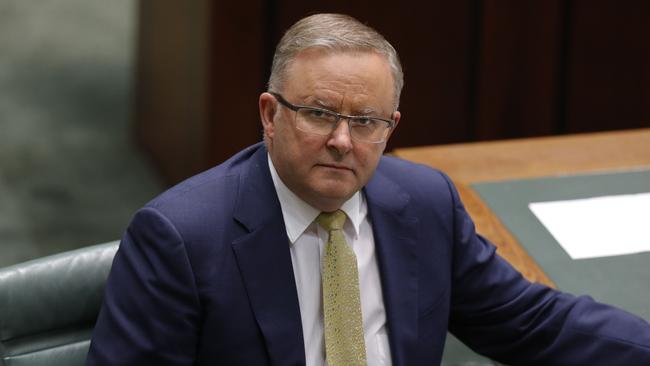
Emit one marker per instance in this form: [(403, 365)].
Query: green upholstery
[(48, 306)]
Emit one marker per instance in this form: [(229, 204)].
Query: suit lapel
[(265, 263), (395, 235)]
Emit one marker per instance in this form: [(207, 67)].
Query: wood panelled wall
[(474, 70)]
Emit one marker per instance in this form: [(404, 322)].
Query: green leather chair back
[(48, 306)]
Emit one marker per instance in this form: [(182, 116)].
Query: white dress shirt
[(307, 241)]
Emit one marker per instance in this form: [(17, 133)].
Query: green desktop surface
[(623, 281)]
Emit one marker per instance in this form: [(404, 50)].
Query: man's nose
[(340, 139)]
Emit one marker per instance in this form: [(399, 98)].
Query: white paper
[(599, 226)]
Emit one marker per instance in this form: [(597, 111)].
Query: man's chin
[(336, 193)]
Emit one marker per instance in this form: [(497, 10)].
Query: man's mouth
[(336, 166)]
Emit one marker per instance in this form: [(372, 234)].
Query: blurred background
[(71, 174), (103, 104)]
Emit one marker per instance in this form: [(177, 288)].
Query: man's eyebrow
[(367, 111), (323, 104)]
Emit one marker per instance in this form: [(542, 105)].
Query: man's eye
[(321, 115), (364, 121)]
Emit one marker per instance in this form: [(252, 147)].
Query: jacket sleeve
[(500, 314), (151, 310)]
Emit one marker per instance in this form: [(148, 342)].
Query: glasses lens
[(316, 121), (368, 129)]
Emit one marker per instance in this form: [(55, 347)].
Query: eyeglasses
[(323, 122)]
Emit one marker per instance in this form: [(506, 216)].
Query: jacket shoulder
[(211, 194), (414, 178)]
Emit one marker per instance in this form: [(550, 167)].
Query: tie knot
[(331, 220)]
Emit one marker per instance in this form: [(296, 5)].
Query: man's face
[(325, 171)]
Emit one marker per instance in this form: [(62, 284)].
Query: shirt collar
[(298, 214)]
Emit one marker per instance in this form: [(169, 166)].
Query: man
[(313, 248)]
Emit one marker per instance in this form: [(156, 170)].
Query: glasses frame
[(339, 116)]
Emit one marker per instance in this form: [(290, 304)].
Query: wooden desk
[(529, 158)]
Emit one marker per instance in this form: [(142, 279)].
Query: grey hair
[(332, 32)]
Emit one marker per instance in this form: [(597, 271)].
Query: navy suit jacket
[(204, 277)]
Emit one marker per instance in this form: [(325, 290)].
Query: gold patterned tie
[(344, 342)]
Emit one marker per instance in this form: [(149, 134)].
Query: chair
[(48, 306)]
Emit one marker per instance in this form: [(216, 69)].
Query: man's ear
[(267, 105), (396, 117)]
